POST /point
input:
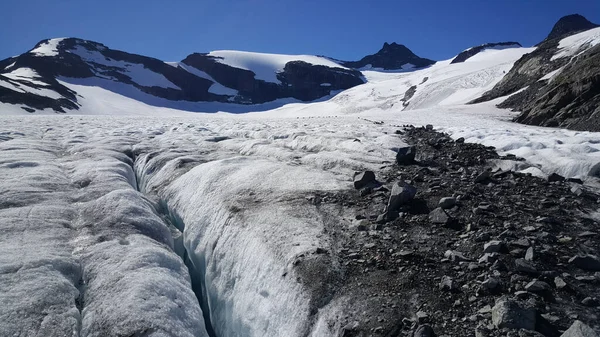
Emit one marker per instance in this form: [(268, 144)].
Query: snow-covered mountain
[(40, 78)]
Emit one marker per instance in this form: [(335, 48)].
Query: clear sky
[(344, 29)]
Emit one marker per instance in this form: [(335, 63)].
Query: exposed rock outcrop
[(569, 25), (391, 57), (550, 89)]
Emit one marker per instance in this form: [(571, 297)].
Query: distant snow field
[(266, 66), (572, 45)]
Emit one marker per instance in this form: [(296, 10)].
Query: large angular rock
[(402, 193), (424, 331), (363, 179), (579, 329), (512, 315), (586, 262), (406, 155), (439, 216)]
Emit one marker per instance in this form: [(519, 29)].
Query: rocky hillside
[(38, 79), (557, 84), (391, 57)]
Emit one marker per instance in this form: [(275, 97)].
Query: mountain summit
[(570, 24), (391, 57)]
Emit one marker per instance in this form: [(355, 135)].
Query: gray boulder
[(424, 331), (439, 216), (402, 193), (579, 329), (363, 179), (510, 314), (406, 155), (447, 202)]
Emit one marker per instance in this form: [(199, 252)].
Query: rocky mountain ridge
[(34, 78), (554, 85), (391, 56)]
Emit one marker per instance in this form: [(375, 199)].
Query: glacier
[(157, 222)]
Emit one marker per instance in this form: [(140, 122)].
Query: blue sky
[(349, 29)]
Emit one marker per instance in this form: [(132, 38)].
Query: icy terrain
[(151, 221)]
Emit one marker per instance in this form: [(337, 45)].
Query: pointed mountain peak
[(394, 46), (568, 25), (392, 56)]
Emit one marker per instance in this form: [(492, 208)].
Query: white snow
[(137, 72), (23, 74), (266, 66), (575, 44), (10, 66), (551, 75), (216, 88), (49, 48), (26, 77)]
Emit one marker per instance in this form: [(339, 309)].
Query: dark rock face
[(80, 59), (465, 55), (570, 99), (569, 25), (298, 79), (390, 57)]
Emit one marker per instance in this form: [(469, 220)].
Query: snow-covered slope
[(575, 44), (267, 66)]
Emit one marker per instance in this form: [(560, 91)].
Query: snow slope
[(49, 48), (572, 45), (137, 72), (266, 66)]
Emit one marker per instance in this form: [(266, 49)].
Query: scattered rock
[(510, 314), (455, 256), (438, 216), (493, 247), (559, 283), (579, 329), (526, 267), (422, 316), (447, 284), (424, 331), (590, 302), (364, 179), (483, 177), (529, 254), (586, 262), (406, 155), (537, 286), (402, 193), (447, 202)]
